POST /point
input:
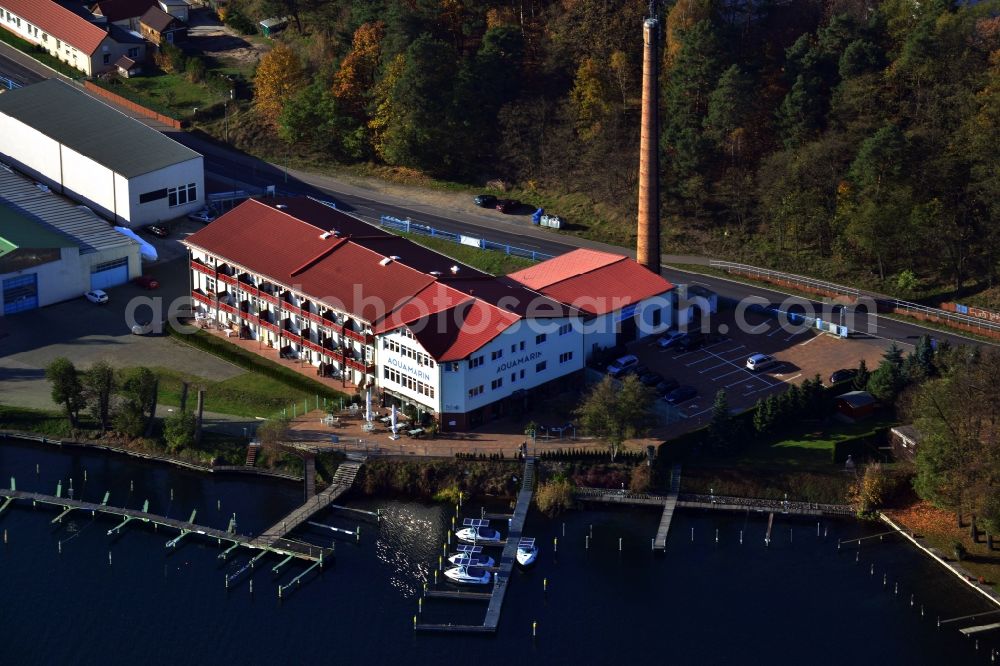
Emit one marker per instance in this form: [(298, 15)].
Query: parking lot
[(801, 353)]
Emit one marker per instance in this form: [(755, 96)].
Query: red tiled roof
[(59, 22), (119, 10), (595, 282), (449, 322)]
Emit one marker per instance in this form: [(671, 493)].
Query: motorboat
[(466, 554), (527, 552), (477, 531), (469, 575)]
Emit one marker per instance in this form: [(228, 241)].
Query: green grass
[(41, 421), (249, 394), (40, 55), (490, 261)]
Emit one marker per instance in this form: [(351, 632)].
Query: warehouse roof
[(57, 214), (93, 129), (20, 231)]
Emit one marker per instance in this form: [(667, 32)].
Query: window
[(497, 383), (565, 356), (209, 284), (540, 338), (513, 348), (522, 374), (565, 328), (657, 317), (178, 196), (107, 59), (475, 390), (540, 366), (475, 362), (133, 52), (522, 345), (497, 354), (513, 377), (45, 37)]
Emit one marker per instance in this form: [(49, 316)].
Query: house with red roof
[(70, 36), (357, 302)]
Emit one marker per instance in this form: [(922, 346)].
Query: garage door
[(109, 274), (20, 293)]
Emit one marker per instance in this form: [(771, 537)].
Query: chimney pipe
[(648, 241)]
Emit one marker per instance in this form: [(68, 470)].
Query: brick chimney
[(648, 241)]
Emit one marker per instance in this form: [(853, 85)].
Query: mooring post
[(619, 544), (534, 628)]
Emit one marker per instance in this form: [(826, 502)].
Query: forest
[(851, 139)]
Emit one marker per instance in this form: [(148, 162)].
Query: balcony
[(225, 307), (202, 268), (309, 344), (313, 317), (271, 326), (358, 365), (228, 279), (354, 335), (289, 335), (202, 298), (268, 296)]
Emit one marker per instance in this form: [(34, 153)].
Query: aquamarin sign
[(408, 369), (513, 363)]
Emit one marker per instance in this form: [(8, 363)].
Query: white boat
[(478, 531), (466, 554), (527, 552), (469, 575)]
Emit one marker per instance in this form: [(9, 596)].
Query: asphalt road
[(231, 169)]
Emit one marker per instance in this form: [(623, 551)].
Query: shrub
[(554, 497), (641, 479)]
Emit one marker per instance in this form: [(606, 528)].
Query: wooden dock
[(274, 539), (669, 504), (502, 577)]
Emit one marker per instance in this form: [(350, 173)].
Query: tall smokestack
[(648, 244)]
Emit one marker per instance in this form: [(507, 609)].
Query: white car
[(205, 215), (668, 340), (623, 365), (759, 362), (142, 329), (97, 296)]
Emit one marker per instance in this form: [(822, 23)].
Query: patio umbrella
[(368, 406), (394, 420)]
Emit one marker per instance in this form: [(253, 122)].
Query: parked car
[(666, 386), (142, 329), (623, 365), (97, 296), (759, 362), (147, 282), (508, 205), (205, 215), (691, 341), (157, 230), (486, 201), (669, 339), (843, 375), (680, 394), (650, 378)]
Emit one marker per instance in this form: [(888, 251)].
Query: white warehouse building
[(90, 152), (52, 250)]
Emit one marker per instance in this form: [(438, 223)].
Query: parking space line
[(701, 372), (775, 331), (794, 335), (758, 390), (790, 379), (700, 360), (815, 337), (715, 379), (691, 416)]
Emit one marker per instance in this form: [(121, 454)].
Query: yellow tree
[(589, 99), (279, 76), (386, 113), (357, 71), (683, 15)]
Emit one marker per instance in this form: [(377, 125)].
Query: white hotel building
[(358, 302)]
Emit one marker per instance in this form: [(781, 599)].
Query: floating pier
[(501, 578)]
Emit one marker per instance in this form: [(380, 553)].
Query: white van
[(623, 365), (759, 362)]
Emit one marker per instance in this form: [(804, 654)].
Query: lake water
[(797, 602)]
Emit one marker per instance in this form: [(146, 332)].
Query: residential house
[(71, 38), (854, 406), (123, 13), (160, 27), (179, 9)]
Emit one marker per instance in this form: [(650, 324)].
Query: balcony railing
[(228, 279), (227, 308), (268, 325), (198, 266), (354, 335), (309, 344), (358, 365), (202, 298), (270, 298)]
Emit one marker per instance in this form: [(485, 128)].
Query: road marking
[(793, 335), (691, 416), (715, 379), (775, 331), (815, 337), (758, 390), (700, 360), (701, 372), (791, 379)]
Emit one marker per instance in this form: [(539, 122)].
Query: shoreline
[(156, 457)]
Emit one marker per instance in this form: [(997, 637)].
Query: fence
[(129, 104), (957, 319), (9, 84), (410, 227)]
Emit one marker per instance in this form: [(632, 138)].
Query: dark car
[(691, 341), (486, 201), (666, 386), (147, 282), (650, 378), (680, 394), (843, 375), (508, 205), (157, 230)]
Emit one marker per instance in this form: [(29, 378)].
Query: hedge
[(254, 363)]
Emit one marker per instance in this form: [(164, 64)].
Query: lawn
[(490, 261), (38, 54), (250, 394), (44, 422)]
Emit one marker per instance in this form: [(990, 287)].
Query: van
[(759, 362), (623, 365)]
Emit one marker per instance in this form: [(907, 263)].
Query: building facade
[(377, 310), (90, 152)]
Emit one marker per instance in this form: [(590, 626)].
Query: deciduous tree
[(67, 390), (279, 76)]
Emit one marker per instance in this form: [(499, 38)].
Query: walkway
[(660, 541), (502, 575)]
